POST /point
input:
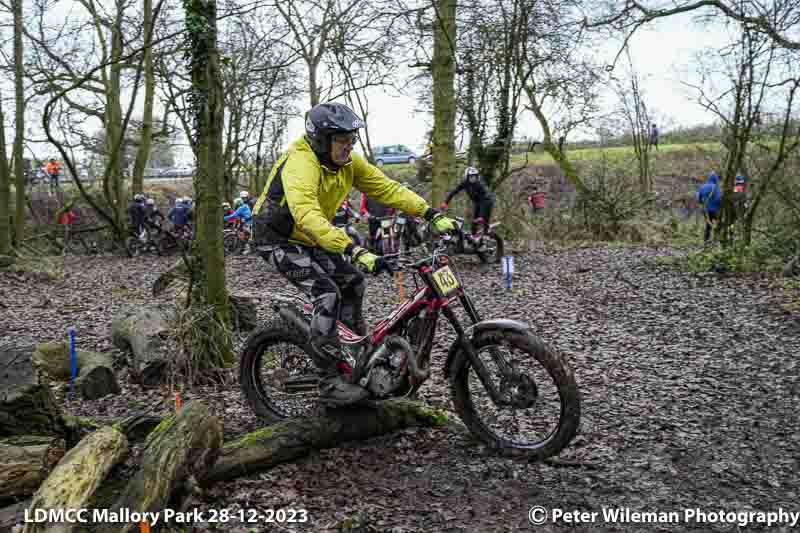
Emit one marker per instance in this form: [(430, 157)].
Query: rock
[(143, 331), (27, 407)]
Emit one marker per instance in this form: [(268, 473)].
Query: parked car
[(396, 153), (177, 172)]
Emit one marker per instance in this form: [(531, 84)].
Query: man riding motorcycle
[(293, 232), (482, 198)]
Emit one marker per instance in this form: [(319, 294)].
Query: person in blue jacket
[(242, 212), (710, 196)]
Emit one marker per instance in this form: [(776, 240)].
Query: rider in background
[(180, 215), (154, 218), (373, 210), (294, 233), (137, 215), (242, 213), (482, 198), (246, 198)]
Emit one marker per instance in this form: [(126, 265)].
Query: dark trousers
[(482, 209), (335, 286), (710, 217)]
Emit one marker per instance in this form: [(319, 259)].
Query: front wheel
[(231, 243), (491, 250), (538, 409)]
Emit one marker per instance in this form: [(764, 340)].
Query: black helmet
[(325, 120)]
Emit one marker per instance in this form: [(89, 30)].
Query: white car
[(176, 172)]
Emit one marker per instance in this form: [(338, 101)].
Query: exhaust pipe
[(294, 320)]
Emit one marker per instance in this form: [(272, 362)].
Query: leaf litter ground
[(690, 387)]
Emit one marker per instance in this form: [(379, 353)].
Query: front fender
[(498, 324)]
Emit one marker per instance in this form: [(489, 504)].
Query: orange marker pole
[(402, 286), (177, 405), (144, 527)]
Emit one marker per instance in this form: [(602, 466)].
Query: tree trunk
[(143, 332), (443, 70), (114, 132), (25, 462), (547, 142), (146, 138), (19, 137), (209, 278), (26, 406), (179, 451), (5, 193), (73, 482), (286, 441)]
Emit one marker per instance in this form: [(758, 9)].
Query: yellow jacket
[(301, 196)]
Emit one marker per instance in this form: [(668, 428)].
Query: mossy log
[(25, 462), (180, 450), (142, 331), (95, 377), (286, 441), (74, 480), (27, 407)]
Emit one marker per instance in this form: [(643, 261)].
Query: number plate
[(446, 282), (386, 223), (401, 220)]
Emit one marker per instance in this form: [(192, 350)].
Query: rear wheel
[(493, 249), (134, 246), (276, 374), (539, 409), (167, 244), (232, 244)]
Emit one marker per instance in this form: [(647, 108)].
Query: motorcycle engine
[(386, 365)]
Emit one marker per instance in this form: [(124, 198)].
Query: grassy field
[(616, 153)]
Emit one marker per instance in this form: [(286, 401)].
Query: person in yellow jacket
[(293, 231)]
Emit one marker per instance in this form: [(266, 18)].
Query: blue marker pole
[(508, 267), (74, 358)]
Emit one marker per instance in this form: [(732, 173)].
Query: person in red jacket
[(536, 201)]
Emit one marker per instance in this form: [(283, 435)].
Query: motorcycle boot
[(335, 389)]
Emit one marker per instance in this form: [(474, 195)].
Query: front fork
[(480, 368)]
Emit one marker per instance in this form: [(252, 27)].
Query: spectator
[(66, 220), (654, 135), (710, 197), (536, 201), (54, 172), (137, 215)]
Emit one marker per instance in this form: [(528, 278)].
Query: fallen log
[(142, 331), (180, 450), (74, 480), (95, 377), (27, 407), (25, 462), (286, 441)]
